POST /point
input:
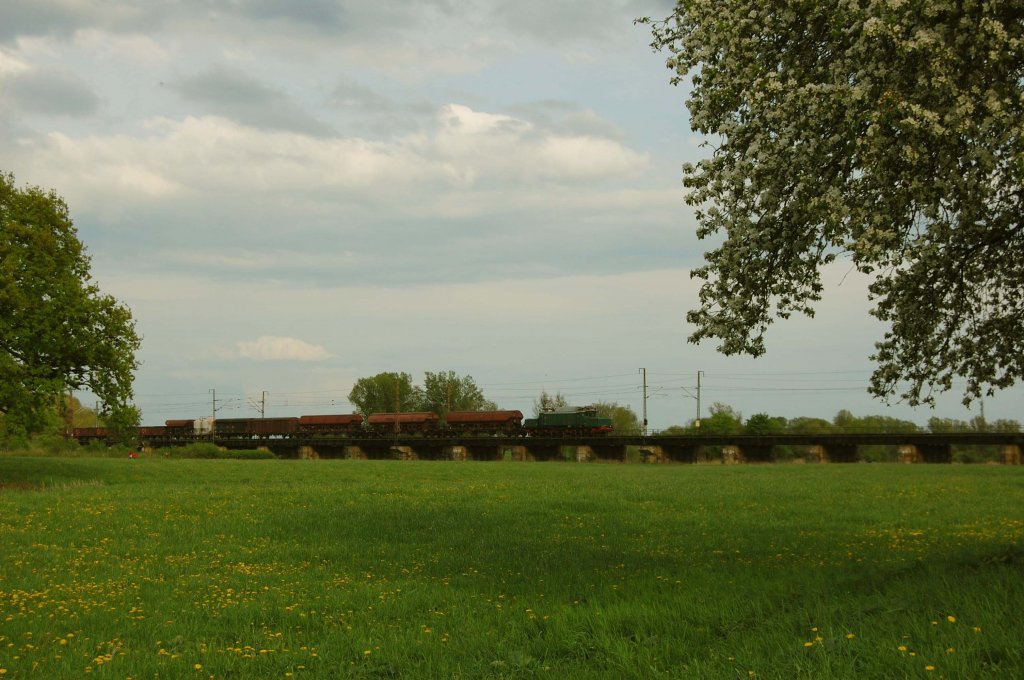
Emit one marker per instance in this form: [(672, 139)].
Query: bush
[(208, 450), (247, 454), (54, 445)]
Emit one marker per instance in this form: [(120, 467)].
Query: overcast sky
[(294, 195)]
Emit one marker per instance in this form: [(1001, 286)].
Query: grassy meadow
[(155, 567)]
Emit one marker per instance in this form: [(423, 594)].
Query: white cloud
[(11, 65), (274, 348), (132, 47), (463, 120), (588, 157), (211, 158)]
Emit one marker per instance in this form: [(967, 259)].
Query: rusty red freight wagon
[(405, 423), (344, 424), (190, 428), (256, 427), (484, 422), (180, 427), (89, 434)]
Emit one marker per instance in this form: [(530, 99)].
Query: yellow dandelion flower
[(929, 668), (367, 652), (950, 650), (951, 618), (198, 666), (902, 648), (808, 644), (850, 636)]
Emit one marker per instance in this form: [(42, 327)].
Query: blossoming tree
[(888, 132)]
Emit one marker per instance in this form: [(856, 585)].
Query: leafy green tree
[(884, 424), (762, 423), (624, 419), (975, 453), (548, 402), (845, 421), (1004, 425), (938, 425), (78, 415), (446, 391), (723, 419), (123, 424), (57, 331), (384, 391), (888, 133), (804, 425)]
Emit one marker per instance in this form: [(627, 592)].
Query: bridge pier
[(653, 454), (354, 453), (403, 453), (583, 453), (1011, 454), (456, 452), (926, 453), (732, 455)]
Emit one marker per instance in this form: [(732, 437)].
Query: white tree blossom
[(884, 131)]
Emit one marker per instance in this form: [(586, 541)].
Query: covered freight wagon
[(249, 428), (85, 435), (187, 428), (404, 423), (346, 424), (149, 433), (484, 422)]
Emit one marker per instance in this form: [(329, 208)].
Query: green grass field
[(147, 568)]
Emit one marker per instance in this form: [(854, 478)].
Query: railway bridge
[(835, 448)]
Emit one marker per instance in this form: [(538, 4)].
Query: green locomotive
[(568, 421)]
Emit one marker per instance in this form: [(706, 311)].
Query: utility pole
[(69, 412), (699, 374), (260, 405), (213, 415), (398, 405), (643, 371)]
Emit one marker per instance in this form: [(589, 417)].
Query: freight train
[(563, 422)]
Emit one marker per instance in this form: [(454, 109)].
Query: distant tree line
[(724, 419), (446, 391), (441, 392)]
